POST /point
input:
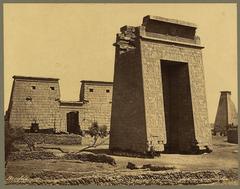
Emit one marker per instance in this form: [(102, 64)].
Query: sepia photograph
[(111, 94)]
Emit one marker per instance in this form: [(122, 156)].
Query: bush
[(97, 131), (11, 135)]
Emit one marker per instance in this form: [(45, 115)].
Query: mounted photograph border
[(2, 172)]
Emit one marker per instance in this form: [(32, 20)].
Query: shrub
[(97, 131), (11, 135)]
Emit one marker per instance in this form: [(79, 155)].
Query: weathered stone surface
[(34, 100), (159, 98), (97, 103), (127, 118), (67, 107)]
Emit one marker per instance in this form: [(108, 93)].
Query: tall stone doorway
[(177, 106), (73, 122)]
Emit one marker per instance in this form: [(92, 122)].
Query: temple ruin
[(159, 98), (36, 101)]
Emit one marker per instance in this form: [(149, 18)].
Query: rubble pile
[(150, 167), (22, 155), (57, 139), (120, 178), (88, 156)]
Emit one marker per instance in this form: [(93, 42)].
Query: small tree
[(96, 132)]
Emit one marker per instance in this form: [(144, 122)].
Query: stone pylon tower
[(159, 99), (34, 100), (226, 113)]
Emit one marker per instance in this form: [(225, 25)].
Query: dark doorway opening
[(177, 107), (73, 122)]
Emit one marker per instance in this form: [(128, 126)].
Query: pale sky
[(73, 42)]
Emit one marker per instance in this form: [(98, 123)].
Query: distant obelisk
[(226, 113)]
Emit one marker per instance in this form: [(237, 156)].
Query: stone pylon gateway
[(36, 101), (226, 116), (159, 99)]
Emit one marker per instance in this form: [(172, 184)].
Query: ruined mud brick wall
[(138, 113), (97, 103), (226, 113), (34, 99)]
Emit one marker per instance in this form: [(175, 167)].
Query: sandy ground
[(224, 157)]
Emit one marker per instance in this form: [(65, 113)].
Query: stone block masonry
[(97, 102), (159, 99), (69, 122), (37, 100), (34, 99)]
